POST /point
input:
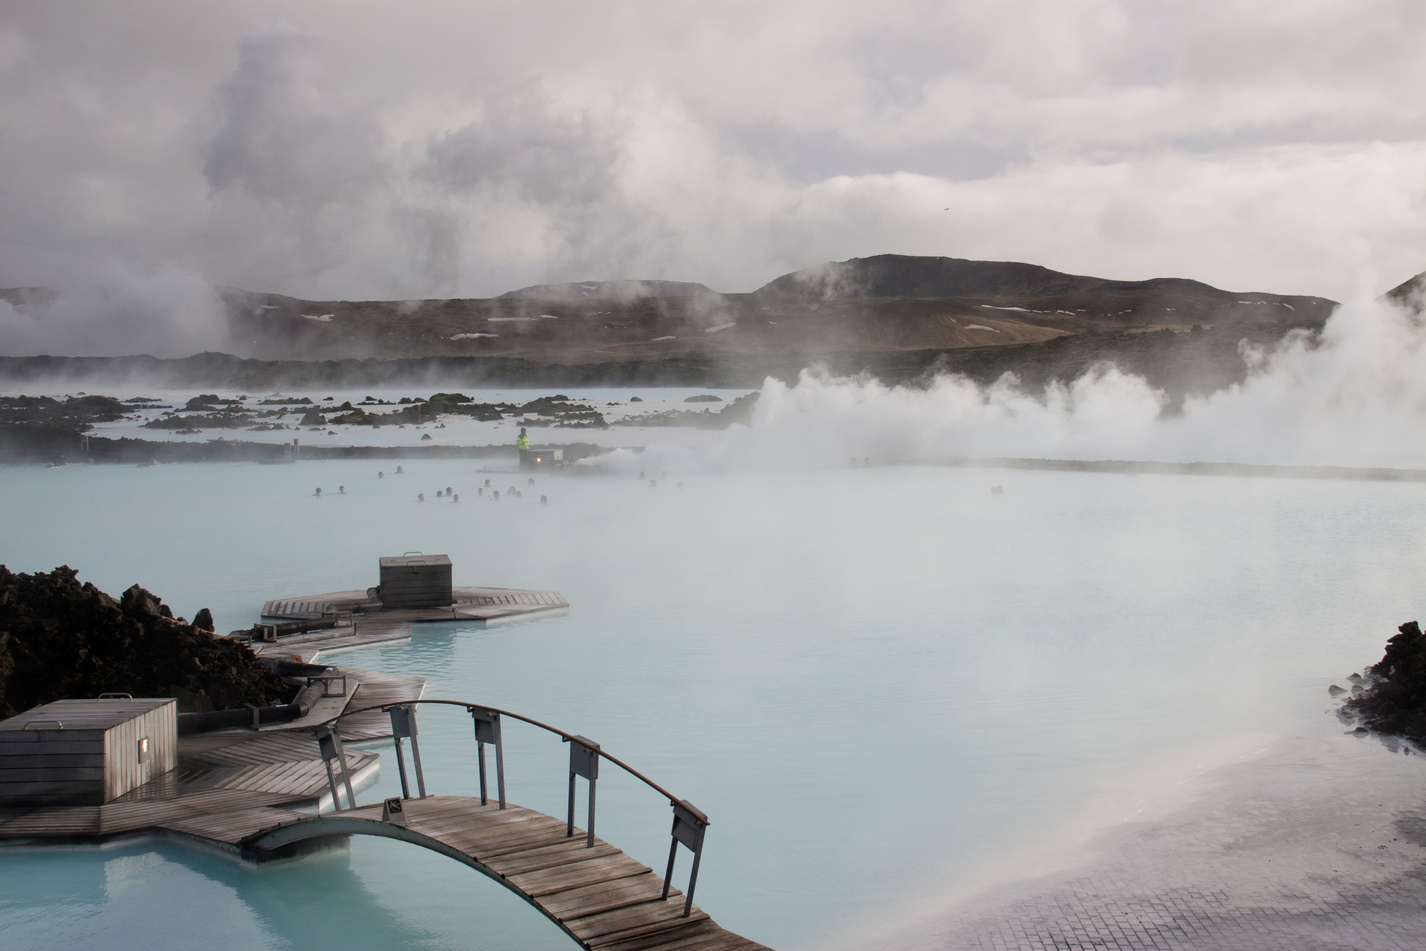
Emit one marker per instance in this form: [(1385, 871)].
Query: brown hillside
[(884, 304)]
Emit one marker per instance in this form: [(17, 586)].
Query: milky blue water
[(869, 679)]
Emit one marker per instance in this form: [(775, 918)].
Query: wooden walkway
[(363, 623), (376, 688), (226, 784), (601, 897), (240, 792)]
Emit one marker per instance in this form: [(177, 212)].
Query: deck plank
[(604, 899), (632, 921), (562, 878), (548, 856)]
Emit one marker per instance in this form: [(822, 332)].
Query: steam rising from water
[(1356, 396), (168, 314)]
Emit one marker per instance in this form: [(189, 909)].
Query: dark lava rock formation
[(1392, 697), (60, 638)]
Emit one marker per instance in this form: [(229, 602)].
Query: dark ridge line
[(1220, 469)]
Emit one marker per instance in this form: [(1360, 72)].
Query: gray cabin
[(85, 752), (541, 457), (416, 581)]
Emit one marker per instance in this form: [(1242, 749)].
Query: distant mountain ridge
[(901, 275), (1409, 292), (607, 290), (876, 314)]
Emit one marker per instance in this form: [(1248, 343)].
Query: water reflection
[(157, 896)]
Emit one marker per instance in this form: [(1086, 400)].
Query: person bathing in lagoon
[(522, 441)]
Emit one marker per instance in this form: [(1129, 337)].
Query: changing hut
[(416, 581), (541, 457), (85, 752)]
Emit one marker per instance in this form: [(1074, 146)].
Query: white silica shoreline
[(1290, 840)]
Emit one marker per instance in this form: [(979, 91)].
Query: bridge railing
[(689, 823)]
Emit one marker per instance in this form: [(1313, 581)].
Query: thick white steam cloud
[(171, 313), (1356, 396)]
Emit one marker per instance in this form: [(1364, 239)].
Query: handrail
[(689, 822), (566, 737), (31, 723)]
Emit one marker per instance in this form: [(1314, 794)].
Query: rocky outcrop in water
[(739, 411), (60, 638), (1392, 697)]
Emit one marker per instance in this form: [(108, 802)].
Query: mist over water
[(119, 312), (884, 684), (874, 681), (1356, 396)]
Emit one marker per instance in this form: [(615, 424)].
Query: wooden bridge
[(238, 791), (599, 896)]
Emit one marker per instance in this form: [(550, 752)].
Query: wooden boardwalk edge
[(600, 897)]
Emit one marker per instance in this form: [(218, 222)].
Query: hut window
[(144, 750)]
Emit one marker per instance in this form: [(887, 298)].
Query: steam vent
[(413, 588)]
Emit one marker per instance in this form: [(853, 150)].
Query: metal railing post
[(487, 730), (332, 785), (330, 744), (583, 761), (689, 824), (405, 722), (400, 728)]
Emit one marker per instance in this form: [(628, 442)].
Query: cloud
[(465, 149), (519, 147), (284, 160), (562, 172), (279, 139)]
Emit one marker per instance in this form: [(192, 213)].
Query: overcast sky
[(350, 149)]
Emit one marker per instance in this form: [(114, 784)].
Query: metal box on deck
[(85, 752), (416, 581), (541, 457)]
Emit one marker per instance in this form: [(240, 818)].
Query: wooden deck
[(601, 897), (372, 689), (363, 623), (243, 791), (227, 783)]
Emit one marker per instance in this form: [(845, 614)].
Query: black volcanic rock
[(1393, 698), (62, 639)]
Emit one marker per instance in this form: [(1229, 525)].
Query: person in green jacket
[(522, 441)]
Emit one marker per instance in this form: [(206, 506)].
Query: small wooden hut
[(541, 457), (86, 752), (416, 581)]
